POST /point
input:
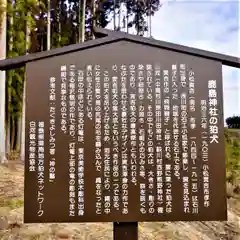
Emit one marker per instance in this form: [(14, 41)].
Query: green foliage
[(2, 9), (233, 122), (18, 20), (232, 146), (65, 28)]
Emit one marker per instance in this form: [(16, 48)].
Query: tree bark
[(119, 16), (83, 21), (3, 34), (49, 26), (9, 83), (114, 15), (94, 16), (127, 15), (12, 132), (19, 130), (22, 149)]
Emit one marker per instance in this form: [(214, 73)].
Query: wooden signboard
[(124, 132)]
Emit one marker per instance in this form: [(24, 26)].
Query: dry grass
[(12, 227)]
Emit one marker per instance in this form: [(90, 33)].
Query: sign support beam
[(125, 230)]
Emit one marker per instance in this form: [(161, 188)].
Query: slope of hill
[(11, 211)]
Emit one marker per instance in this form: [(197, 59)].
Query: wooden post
[(125, 230)]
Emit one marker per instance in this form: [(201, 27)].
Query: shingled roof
[(104, 36)]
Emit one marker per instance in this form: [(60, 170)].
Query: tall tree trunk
[(19, 131), (22, 129), (22, 149), (9, 83), (3, 33), (49, 26), (150, 26), (8, 125), (127, 17), (12, 132), (94, 16), (114, 15), (119, 16), (150, 19), (83, 20), (8, 136), (80, 13), (59, 23), (138, 29)]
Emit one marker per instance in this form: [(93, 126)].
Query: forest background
[(31, 26)]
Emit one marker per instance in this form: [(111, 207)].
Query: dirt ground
[(12, 227)]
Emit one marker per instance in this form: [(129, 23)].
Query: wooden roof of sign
[(105, 36)]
